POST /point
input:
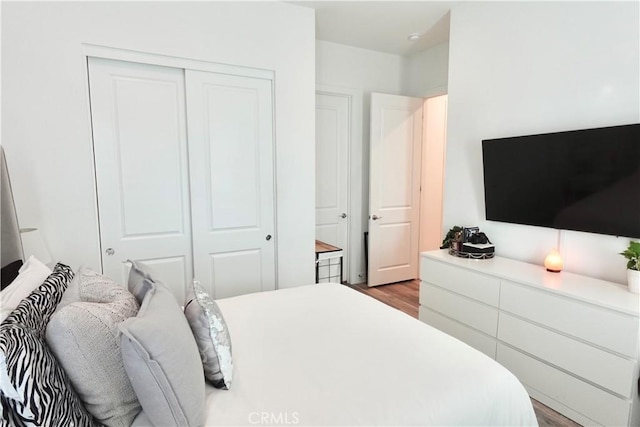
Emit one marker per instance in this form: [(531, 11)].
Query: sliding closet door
[(140, 146), (232, 182)]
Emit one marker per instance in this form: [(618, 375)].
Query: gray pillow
[(84, 338), (211, 334), (162, 360), (137, 284)]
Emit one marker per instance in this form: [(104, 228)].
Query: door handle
[(344, 215), (376, 217), (268, 237), (110, 251)]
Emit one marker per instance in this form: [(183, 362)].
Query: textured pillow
[(31, 275), (84, 338), (211, 334), (44, 396), (162, 361)]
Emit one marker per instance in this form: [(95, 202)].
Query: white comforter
[(327, 355)]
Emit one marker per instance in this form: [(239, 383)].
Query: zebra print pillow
[(44, 394)]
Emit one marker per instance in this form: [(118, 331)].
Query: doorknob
[(110, 251), (376, 217), (268, 237), (344, 215)]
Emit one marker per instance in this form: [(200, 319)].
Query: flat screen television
[(584, 180)]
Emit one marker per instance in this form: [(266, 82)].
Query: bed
[(327, 355), (315, 355)]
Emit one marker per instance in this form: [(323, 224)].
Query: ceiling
[(382, 25)]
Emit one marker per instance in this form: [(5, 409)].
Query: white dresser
[(571, 340)]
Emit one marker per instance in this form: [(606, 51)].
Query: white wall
[(532, 67), (426, 73), (45, 115), (365, 71)]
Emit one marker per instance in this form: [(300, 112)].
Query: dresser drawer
[(475, 339), (474, 285), (593, 364), (479, 316), (592, 402), (606, 328)]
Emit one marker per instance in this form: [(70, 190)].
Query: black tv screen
[(585, 180)]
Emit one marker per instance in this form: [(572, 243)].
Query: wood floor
[(405, 295), (401, 295)]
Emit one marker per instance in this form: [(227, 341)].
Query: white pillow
[(31, 275)]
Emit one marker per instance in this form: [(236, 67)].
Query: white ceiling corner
[(382, 25)]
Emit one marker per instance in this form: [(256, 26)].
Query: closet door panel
[(234, 273), (140, 147), (156, 136), (230, 127), (233, 157)]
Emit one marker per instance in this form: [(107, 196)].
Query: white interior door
[(394, 188), (140, 147), (332, 172), (230, 127)]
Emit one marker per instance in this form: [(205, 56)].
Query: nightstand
[(328, 263)]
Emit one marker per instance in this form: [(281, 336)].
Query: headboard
[(12, 256)]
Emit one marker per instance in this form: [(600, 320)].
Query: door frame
[(97, 51), (356, 215), (173, 62), (432, 177)]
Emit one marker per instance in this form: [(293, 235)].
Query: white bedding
[(327, 355)]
